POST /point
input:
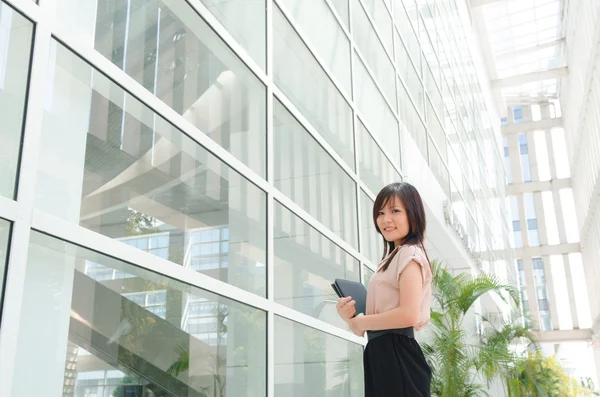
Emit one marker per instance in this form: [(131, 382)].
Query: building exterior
[(181, 181), (552, 279), (582, 128)]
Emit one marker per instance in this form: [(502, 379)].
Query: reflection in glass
[(376, 171), (305, 83), (246, 21), (370, 241), (141, 335), (371, 48), (312, 363), (306, 263), (377, 114), (341, 7), (4, 242), (15, 51), (112, 165), (308, 175), (325, 36), (172, 52)]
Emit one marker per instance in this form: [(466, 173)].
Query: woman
[(398, 299)]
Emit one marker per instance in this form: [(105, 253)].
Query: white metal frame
[(25, 217)]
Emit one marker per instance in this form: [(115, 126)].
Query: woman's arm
[(406, 314)]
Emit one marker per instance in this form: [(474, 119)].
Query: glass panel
[(303, 81), (371, 241), (16, 34), (373, 52), (306, 263), (115, 344), (246, 20), (381, 19), (307, 174), (4, 242), (312, 363), (376, 171), (411, 42), (341, 7), (325, 36), (112, 165), (378, 115), (169, 49)]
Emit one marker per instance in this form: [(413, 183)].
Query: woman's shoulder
[(411, 252)]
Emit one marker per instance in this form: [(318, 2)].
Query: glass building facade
[(181, 180)]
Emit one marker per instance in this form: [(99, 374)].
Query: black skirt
[(395, 367)]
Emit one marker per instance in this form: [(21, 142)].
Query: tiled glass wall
[(200, 171)]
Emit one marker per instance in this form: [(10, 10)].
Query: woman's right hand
[(345, 308)]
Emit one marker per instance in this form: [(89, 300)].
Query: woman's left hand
[(355, 327)]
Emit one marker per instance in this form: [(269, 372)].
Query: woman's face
[(393, 221)]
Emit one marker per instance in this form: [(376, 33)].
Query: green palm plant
[(457, 365)]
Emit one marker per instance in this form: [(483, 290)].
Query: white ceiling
[(522, 38)]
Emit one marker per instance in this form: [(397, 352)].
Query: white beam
[(511, 54), (532, 125), (529, 77), (538, 186), (543, 250), (560, 336)]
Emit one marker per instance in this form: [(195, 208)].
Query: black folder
[(356, 290)]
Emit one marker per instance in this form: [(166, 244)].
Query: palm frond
[(477, 287)]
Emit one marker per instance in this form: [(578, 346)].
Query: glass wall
[(16, 35), (201, 171)]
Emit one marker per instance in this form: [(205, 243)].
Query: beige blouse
[(383, 292)]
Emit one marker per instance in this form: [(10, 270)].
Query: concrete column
[(515, 158), (596, 348), (545, 111), (541, 219), (560, 220), (510, 117), (572, 302), (550, 291), (526, 112), (531, 293), (551, 160), (533, 165), (523, 220)]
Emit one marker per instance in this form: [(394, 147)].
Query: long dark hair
[(415, 211)]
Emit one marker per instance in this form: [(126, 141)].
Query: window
[(517, 114), (303, 358), (302, 165), (507, 167), (16, 34), (375, 168), (137, 178), (524, 151), (302, 79), (532, 224), (516, 223), (305, 263), (5, 227), (101, 318)]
